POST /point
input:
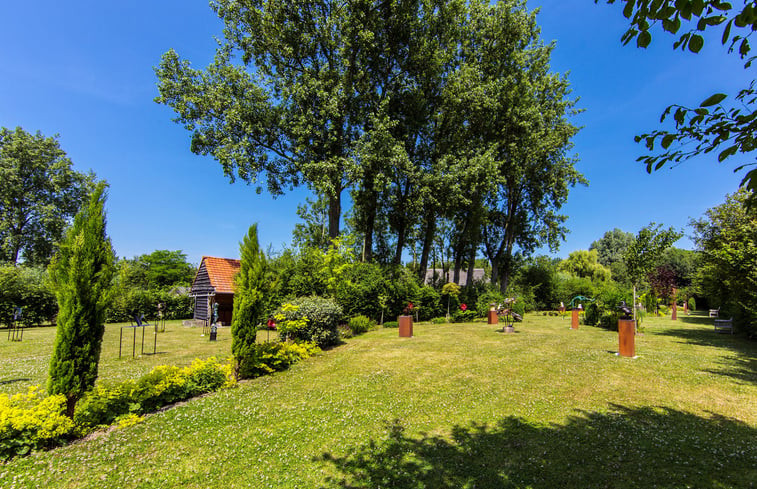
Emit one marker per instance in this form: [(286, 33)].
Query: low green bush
[(27, 288), (391, 324), (463, 316), (32, 422), (439, 320), (692, 304), (322, 317), (163, 385), (486, 299), (130, 301), (608, 320), (266, 358), (592, 314), (360, 324)]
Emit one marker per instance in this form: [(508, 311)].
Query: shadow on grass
[(627, 448), (743, 367), (13, 381)]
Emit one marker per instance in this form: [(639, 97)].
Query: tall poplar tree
[(248, 299), (81, 273)]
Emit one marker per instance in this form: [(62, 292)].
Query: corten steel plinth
[(675, 315), (686, 307), (574, 320), (626, 337), (406, 326), (493, 318)]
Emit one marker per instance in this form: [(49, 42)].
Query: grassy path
[(455, 406)]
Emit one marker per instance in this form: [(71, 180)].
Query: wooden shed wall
[(201, 288)]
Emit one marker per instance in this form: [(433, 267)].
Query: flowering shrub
[(30, 422)]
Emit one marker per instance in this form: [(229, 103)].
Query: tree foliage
[(156, 270), (646, 251), (585, 264), (40, 193), (435, 114), (726, 238), (248, 299), (81, 273), (712, 126), (611, 249)]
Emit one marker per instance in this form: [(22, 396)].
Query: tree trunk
[(471, 267), (428, 239), (335, 212), (71, 406), (369, 225), (401, 237)]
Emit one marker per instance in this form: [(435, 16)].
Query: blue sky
[(84, 70)]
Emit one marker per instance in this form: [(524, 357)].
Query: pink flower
[(463, 307)]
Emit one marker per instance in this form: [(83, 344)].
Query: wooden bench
[(724, 325)]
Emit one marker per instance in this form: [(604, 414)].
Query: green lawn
[(455, 406)]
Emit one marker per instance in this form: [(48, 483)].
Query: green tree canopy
[(39, 195), (727, 240), (159, 269), (611, 249), (81, 273), (585, 264)]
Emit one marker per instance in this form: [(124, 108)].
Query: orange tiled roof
[(221, 273)]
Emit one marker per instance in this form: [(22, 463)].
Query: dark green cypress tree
[(248, 301), (81, 273)]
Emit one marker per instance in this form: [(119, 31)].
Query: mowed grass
[(455, 406)]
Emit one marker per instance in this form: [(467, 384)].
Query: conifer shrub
[(81, 273), (248, 299)]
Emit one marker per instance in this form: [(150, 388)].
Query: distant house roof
[(437, 274), (219, 272)]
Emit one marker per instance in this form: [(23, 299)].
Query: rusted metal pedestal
[(626, 337), (493, 319), (406, 326), (574, 320), (675, 316)]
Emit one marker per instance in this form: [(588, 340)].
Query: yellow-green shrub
[(163, 385), (30, 421), (266, 358)]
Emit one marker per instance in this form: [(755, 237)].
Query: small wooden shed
[(214, 284)]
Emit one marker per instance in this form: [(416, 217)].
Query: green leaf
[(667, 140), (726, 32), (713, 100), (728, 152), (695, 43), (644, 39), (628, 9)]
